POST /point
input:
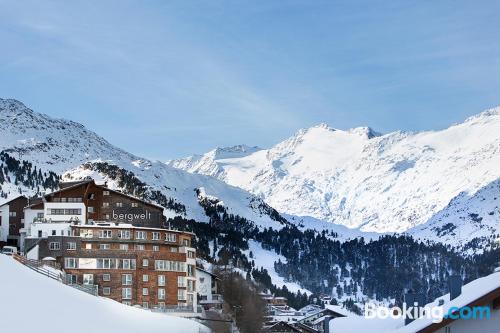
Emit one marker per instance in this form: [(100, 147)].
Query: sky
[(166, 79)]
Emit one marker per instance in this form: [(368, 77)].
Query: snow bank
[(34, 303)]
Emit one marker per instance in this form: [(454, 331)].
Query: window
[(145, 262), (39, 233), (190, 286), (74, 199), (156, 248), (161, 293), (105, 263), (127, 279), (140, 235), (106, 277), (124, 234), (126, 303), (39, 215), (145, 278), (54, 246), (71, 246), (105, 192), (90, 209), (191, 254), (170, 266), (181, 294), (156, 235), (124, 247), (88, 246), (71, 279), (190, 299), (161, 280), (88, 278), (106, 291), (53, 232), (104, 246), (128, 264), (126, 293), (171, 237), (105, 204), (86, 233), (104, 233), (174, 249), (12, 214), (145, 305), (186, 242), (106, 216), (181, 281), (190, 270), (135, 204), (161, 305), (70, 263), (145, 291), (139, 247), (119, 204)]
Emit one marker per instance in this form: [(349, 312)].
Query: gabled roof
[(281, 324), (212, 274), (8, 202)]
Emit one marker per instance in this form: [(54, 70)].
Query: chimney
[(414, 303), (455, 285)]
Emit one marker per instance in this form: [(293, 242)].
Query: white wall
[(30, 215), (48, 228), (65, 205), (204, 288), (4, 229)]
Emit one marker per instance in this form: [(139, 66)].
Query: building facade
[(86, 202), (149, 267), (12, 220)]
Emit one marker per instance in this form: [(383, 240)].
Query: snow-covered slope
[(361, 179), (34, 303), (64, 146)]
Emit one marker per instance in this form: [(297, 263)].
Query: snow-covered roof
[(482, 288)]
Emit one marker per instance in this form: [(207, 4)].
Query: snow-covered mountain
[(384, 183), (69, 149)]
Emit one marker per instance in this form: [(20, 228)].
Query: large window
[(126, 293), (161, 280), (68, 211), (70, 263), (128, 264), (127, 279), (140, 235), (161, 293), (54, 246), (124, 234), (181, 281), (105, 233), (181, 294), (105, 263), (170, 266), (171, 237)]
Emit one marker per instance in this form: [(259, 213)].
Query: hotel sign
[(131, 217)]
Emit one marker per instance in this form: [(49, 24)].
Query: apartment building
[(149, 267)]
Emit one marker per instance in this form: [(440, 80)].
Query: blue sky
[(165, 79)]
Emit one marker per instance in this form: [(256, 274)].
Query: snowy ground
[(265, 258), (34, 303)]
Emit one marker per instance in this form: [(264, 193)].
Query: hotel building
[(115, 243)]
